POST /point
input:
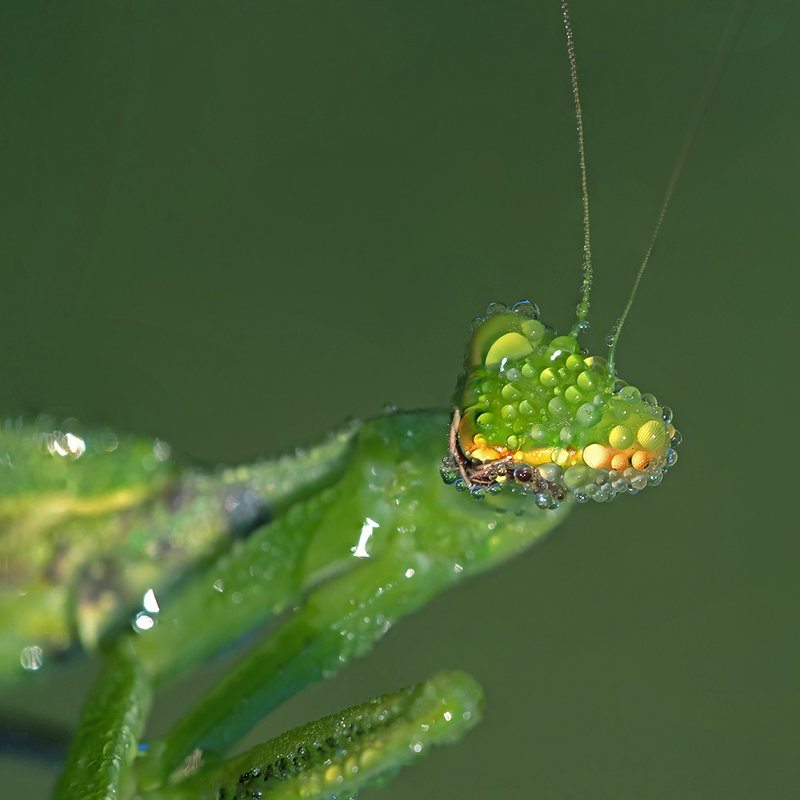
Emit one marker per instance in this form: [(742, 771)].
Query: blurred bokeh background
[(235, 224)]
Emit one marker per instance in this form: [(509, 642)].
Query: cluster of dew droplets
[(626, 475), (599, 440)]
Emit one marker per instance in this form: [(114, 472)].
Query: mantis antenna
[(538, 415), (727, 41), (586, 285)]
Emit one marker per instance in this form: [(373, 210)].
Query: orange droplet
[(619, 462), (640, 459)]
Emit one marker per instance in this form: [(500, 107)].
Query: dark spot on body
[(244, 510), (56, 569), (523, 474), (178, 496)]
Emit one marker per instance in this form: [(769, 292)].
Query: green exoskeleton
[(352, 534)]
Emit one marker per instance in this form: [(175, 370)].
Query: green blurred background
[(234, 224)]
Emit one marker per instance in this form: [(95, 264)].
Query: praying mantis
[(423, 433)]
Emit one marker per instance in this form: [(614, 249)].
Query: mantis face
[(541, 417)]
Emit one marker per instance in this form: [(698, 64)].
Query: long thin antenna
[(586, 285), (727, 41)]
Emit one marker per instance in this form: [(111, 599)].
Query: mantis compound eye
[(536, 415)]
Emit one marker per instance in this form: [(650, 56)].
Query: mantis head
[(538, 415)]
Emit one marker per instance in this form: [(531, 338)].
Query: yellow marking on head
[(486, 454), (535, 457), (565, 456)]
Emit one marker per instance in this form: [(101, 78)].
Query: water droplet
[(31, 657), (143, 622), (496, 308), (550, 472), (477, 493), (109, 441), (587, 415), (149, 602), (543, 500), (75, 445), (630, 393), (527, 308), (448, 470), (219, 585), (161, 450)]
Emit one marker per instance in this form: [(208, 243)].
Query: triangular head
[(536, 414)]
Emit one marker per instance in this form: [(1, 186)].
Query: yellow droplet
[(652, 436), (620, 437), (510, 345), (560, 456), (332, 773), (484, 454), (596, 456)]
